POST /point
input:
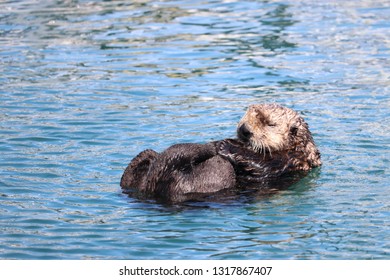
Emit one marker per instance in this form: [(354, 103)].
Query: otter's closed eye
[(293, 130), (272, 124)]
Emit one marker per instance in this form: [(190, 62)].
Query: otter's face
[(270, 127)]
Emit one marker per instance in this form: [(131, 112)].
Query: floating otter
[(272, 141)]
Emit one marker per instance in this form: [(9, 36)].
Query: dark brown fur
[(272, 141), (182, 172)]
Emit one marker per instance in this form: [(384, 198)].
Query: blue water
[(86, 85)]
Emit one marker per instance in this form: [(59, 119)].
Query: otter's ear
[(294, 130)]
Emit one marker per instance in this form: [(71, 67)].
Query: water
[(86, 85)]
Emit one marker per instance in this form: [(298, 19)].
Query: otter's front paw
[(227, 150), (222, 149), (229, 146)]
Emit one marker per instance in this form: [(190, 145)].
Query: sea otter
[(272, 141)]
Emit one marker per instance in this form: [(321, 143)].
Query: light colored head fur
[(273, 128)]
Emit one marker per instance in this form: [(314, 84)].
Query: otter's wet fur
[(273, 141), (181, 172)]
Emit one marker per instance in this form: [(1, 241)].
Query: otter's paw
[(224, 149), (227, 150), (228, 147)]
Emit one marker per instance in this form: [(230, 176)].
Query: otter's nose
[(244, 133)]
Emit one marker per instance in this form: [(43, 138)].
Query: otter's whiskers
[(261, 147)]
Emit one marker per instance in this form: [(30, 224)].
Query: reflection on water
[(86, 85)]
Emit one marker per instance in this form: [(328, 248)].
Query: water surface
[(86, 85)]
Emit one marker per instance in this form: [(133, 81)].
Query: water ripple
[(86, 85)]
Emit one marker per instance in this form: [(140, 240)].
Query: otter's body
[(272, 141), (181, 172)]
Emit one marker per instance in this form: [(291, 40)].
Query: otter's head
[(269, 128)]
